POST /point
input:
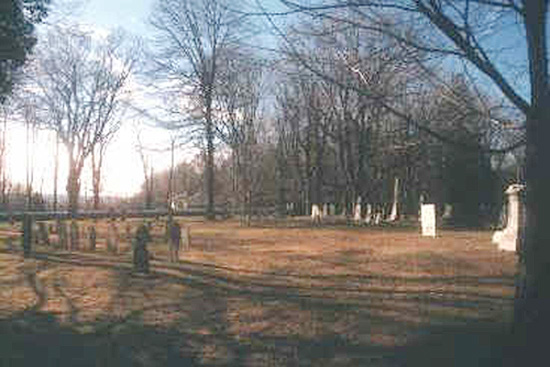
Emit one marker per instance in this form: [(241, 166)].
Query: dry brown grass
[(265, 296)]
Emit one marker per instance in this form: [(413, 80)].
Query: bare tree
[(238, 102), (98, 155), (147, 172), (192, 36), (79, 81), (469, 30)]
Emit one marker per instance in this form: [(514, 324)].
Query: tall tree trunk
[(96, 176), (532, 308), (73, 185), (209, 164), (55, 173)]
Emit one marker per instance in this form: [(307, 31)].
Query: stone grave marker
[(315, 214), (112, 236), (27, 237), (428, 219), (43, 234), (447, 211), (394, 213), (75, 235), (357, 212), (185, 238), (368, 216), (140, 253), (92, 237), (175, 240), (507, 239)]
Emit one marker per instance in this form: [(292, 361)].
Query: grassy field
[(261, 296)]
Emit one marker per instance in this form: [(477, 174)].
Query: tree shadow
[(218, 317)]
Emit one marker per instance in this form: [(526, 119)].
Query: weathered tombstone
[(447, 211), (92, 237), (507, 239), (325, 210), (140, 253), (63, 241), (27, 238), (185, 238), (129, 233), (75, 235), (378, 218), (315, 214), (427, 215), (175, 240), (43, 234), (331, 209), (394, 213), (368, 216), (112, 236)]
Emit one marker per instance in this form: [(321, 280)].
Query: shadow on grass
[(204, 331)]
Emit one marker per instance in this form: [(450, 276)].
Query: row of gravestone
[(69, 235)]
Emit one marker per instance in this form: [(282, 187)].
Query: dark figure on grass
[(175, 240), (141, 255)]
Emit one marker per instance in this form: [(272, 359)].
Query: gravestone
[(185, 238), (63, 241), (129, 233), (75, 235), (427, 217), (507, 239), (332, 209), (368, 216), (27, 237), (140, 253), (315, 214), (112, 236), (357, 211), (175, 240), (325, 210), (378, 218), (92, 237), (43, 234), (447, 211), (394, 213)]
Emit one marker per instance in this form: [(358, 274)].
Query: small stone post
[(141, 255), (26, 239)]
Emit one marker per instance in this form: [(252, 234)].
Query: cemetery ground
[(269, 295)]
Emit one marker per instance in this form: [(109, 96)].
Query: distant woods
[(332, 113)]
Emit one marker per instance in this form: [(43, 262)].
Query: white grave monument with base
[(357, 211), (427, 218), (447, 211), (394, 214), (315, 214), (368, 217), (325, 210), (507, 238)]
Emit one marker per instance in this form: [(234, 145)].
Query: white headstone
[(368, 217), (325, 210), (447, 211), (508, 237), (394, 214), (378, 218), (315, 213), (428, 219), (357, 212), (332, 209)]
